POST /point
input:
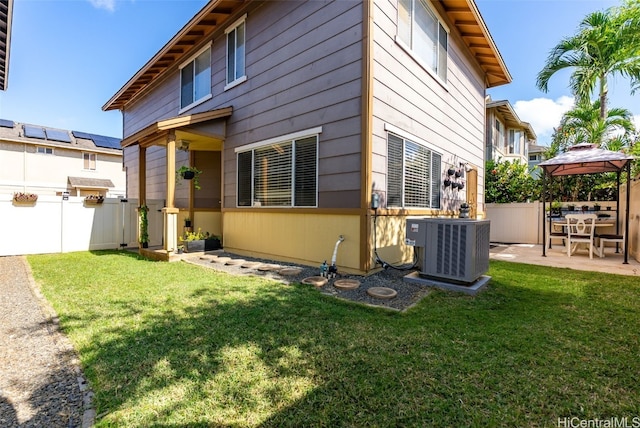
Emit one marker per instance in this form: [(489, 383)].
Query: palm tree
[(605, 45), (585, 124)]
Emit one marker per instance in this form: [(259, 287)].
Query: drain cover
[(317, 281), (346, 284), (382, 292)]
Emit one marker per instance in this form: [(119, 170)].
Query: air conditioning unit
[(455, 250)]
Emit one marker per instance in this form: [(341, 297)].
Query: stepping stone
[(346, 284), (382, 292), (268, 267), (317, 281), (235, 262), (250, 265), (222, 260), (290, 271)]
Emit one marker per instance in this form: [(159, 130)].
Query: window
[(498, 135), (420, 30), (235, 53), (89, 161), (195, 79), (515, 139), (413, 174), (44, 150), (279, 174)]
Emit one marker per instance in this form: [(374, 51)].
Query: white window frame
[(87, 157), (42, 150), (186, 63), (435, 181), (436, 69), (292, 139), (515, 145), (232, 31)]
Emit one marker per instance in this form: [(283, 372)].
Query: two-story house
[(50, 161), (313, 119), (508, 138)]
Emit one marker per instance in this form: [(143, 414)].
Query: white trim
[(293, 136), (196, 103), (235, 82), (237, 22), (196, 55), (409, 136)]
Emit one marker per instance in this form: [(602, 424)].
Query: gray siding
[(303, 67), (450, 118)]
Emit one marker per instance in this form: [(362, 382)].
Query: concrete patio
[(557, 257)]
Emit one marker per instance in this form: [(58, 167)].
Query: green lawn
[(172, 344)]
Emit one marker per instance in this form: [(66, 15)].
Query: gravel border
[(41, 384), (408, 294)]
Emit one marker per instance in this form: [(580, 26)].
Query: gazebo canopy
[(585, 159), (588, 159)]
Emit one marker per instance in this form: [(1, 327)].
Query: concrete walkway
[(41, 384), (557, 257)]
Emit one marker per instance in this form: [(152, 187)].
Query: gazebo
[(589, 159)]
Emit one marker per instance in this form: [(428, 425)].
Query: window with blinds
[(413, 174), (279, 175)]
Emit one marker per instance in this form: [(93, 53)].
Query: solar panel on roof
[(99, 140), (4, 123), (34, 132), (57, 135)]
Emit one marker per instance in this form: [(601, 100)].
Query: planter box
[(202, 245)]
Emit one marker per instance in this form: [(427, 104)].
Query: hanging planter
[(447, 182), (189, 173), (451, 171)]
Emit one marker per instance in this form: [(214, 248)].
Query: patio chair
[(580, 229), (554, 233), (603, 238)]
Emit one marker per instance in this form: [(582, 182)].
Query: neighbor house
[(508, 138), (312, 120), (49, 161), (536, 155)]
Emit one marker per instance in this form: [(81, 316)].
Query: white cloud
[(109, 5), (543, 114)]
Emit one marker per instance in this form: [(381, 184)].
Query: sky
[(68, 57)]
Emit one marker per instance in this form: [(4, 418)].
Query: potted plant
[(451, 170), (144, 226), (189, 173), (200, 241), (556, 208), (464, 210), (571, 207), (596, 206)]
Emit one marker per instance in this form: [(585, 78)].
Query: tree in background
[(606, 45), (507, 181)]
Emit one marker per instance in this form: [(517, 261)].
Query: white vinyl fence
[(516, 222), (54, 225)]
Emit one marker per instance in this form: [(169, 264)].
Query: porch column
[(142, 189), (169, 212)]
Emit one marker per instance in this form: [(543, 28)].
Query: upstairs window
[(89, 160), (44, 150), (515, 141), (424, 35), (236, 53), (280, 173), (413, 174), (195, 79)]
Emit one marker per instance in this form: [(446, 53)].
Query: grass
[(172, 344)]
